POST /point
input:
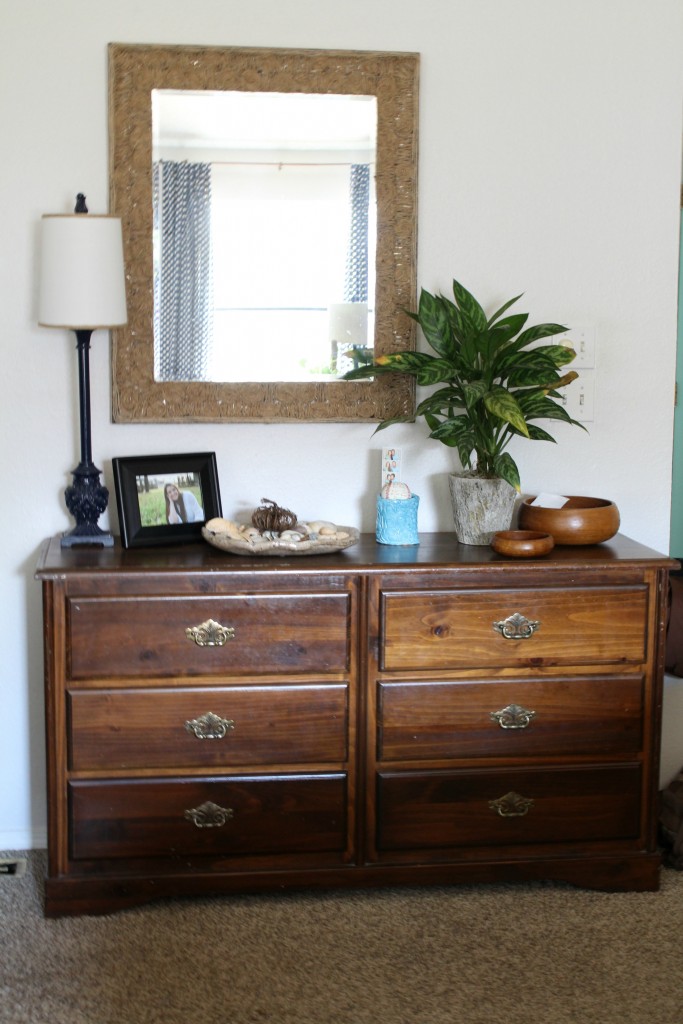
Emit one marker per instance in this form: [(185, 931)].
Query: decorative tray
[(265, 542)]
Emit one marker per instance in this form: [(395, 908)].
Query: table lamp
[(83, 288)]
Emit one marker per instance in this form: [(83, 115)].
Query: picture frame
[(165, 499)]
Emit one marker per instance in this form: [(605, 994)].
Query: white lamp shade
[(82, 278), (348, 323)]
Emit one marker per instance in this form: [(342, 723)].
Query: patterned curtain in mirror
[(183, 289), (356, 280)]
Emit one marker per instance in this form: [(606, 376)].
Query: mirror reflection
[(264, 239)]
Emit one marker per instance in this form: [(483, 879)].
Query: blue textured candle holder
[(397, 520)]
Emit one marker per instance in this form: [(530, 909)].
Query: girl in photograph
[(181, 506)]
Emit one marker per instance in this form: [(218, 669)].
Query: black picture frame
[(142, 510)]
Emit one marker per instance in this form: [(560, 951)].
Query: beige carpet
[(530, 954)]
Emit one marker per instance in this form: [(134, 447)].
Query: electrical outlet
[(13, 867), (578, 398), (582, 339)]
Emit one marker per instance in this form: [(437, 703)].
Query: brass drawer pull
[(210, 726), (210, 634), (209, 815), (512, 717), (516, 627), (512, 805)]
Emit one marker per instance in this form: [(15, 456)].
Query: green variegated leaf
[(505, 467), (505, 330), (403, 362), (545, 409), (537, 433), (511, 358), (542, 377), (464, 328), (469, 306), (435, 372), (503, 405), (540, 331), (362, 372), (433, 319), (560, 355), (454, 433), (503, 308), (474, 391), (443, 401), (390, 423)]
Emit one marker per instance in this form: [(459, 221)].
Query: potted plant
[(493, 382)]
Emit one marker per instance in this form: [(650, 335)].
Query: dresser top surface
[(435, 551)]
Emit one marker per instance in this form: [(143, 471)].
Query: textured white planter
[(481, 507)]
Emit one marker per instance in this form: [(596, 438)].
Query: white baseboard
[(20, 839)]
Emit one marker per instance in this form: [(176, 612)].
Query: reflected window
[(269, 273)]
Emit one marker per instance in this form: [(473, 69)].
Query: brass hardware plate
[(209, 815), (210, 726), (516, 627), (512, 717), (210, 634), (512, 805)]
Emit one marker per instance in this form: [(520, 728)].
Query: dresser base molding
[(367, 722), (71, 896)]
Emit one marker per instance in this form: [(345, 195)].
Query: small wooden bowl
[(522, 543), (580, 521)]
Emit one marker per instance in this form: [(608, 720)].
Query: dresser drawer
[(246, 815), (572, 626), (525, 718), (443, 809), (207, 726), (148, 636)]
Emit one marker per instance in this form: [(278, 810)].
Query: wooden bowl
[(522, 543), (580, 521)]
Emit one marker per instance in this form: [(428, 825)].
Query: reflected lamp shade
[(82, 277)]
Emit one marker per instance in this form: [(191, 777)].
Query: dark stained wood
[(437, 809), (570, 717), (146, 636), (128, 729), (266, 815), (361, 686), (435, 550)]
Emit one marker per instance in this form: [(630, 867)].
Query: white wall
[(549, 164)]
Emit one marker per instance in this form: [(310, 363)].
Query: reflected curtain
[(356, 278), (183, 291)]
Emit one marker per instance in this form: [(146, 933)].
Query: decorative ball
[(396, 491), (270, 516)]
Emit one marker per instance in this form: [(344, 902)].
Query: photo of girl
[(181, 506), (166, 499)]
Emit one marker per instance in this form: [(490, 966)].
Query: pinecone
[(272, 517)]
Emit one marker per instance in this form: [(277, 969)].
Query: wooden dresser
[(384, 715)]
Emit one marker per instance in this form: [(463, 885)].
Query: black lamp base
[(86, 500)]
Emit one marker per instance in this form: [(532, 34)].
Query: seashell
[(217, 525), (327, 531), (224, 526), (291, 535), (318, 525)]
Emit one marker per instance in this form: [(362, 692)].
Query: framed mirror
[(319, 147)]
